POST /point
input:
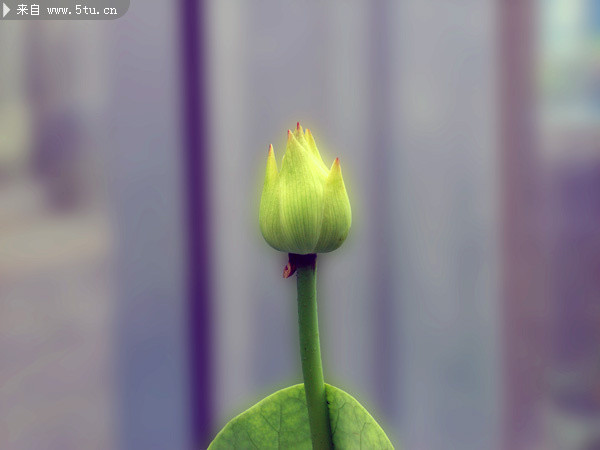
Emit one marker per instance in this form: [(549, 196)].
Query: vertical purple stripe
[(195, 145), (524, 320), (381, 147)]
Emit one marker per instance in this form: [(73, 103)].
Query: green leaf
[(351, 425), (281, 421)]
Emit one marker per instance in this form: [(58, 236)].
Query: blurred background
[(140, 307)]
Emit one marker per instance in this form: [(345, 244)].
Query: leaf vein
[(268, 423), (251, 440), (361, 433)]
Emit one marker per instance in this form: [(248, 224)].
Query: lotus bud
[(304, 207)]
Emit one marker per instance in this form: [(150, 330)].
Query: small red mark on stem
[(289, 270)]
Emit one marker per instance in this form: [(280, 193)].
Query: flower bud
[(304, 208)]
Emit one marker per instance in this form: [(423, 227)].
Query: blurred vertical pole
[(195, 139), (381, 149), (523, 308)]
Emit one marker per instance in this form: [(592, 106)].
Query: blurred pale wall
[(56, 348), (92, 247), (92, 298), (145, 184)]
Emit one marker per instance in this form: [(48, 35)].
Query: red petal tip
[(297, 125)]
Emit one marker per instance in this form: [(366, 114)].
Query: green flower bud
[(304, 208)]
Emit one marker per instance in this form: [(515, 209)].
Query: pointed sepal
[(270, 224), (337, 215)]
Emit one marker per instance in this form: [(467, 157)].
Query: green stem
[(310, 350)]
